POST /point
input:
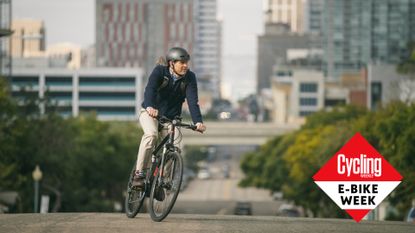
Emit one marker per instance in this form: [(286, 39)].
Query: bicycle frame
[(167, 143)]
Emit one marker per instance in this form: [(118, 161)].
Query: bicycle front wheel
[(166, 187), (134, 197)]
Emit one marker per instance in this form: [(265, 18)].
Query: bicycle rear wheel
[(134, 197), (164, 191)]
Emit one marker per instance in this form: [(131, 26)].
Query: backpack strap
[(183, 85), (164, 83)]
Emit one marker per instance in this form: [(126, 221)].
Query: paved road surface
[(220, 188), (218, 195), (102, 223)]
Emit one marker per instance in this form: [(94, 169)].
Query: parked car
[(243, 208), (203, 174)]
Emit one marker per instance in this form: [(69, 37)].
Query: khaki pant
[(149, 139)]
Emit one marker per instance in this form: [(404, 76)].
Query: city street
[(219, 194)]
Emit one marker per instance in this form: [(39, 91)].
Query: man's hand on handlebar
[(152, 111), (200, 127)]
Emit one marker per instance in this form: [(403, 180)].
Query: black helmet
[(177, 54)]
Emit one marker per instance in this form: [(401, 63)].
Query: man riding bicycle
[(167, 88)]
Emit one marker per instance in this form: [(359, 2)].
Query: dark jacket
[(169, 99)]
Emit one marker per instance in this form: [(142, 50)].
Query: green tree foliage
[(340, 114), (85, 162), (287, 163), (395, 130)]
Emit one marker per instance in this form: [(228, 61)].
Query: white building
[(386, 85), (113, 93), (297, 93)]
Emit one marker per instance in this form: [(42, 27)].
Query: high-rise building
[(28, 39), (290, 12), (207, 49), (170, 24), (313, 20), (121, 32), (272, 49), (355, 33), (134, 33), (5, 32)]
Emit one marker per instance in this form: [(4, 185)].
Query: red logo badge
[(357, 178)]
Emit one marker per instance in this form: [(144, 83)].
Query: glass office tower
[(355, 33)]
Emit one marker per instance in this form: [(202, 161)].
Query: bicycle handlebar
[(176, 122)]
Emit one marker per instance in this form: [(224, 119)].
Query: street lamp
[(37, 176)]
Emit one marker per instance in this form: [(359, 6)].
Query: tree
[(85, 162), (395, 131), (287, 163)]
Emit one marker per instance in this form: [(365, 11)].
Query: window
[(376, 94), (283, 73), (308, 87), (106, 81), (107, 96), (305, 113), (59, 96), (334, 102), (308, 101), (58, 81), (129, 111), (25, 80)]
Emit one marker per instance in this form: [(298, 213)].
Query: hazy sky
[(74, 21), (65, 20)]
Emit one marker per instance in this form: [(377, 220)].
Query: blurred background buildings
[(136, 33), (345, 43), (311, 55)]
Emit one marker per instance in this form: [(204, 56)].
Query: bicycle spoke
[(133, 199)]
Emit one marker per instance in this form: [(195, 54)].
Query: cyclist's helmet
[(177, 54)]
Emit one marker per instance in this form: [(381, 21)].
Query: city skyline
[(238, 37)]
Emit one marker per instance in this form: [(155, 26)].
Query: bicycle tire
[(132, 210), (156, 188)]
